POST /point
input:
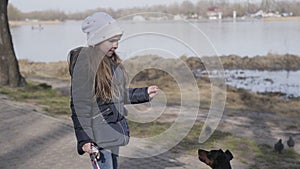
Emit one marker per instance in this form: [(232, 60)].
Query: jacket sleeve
[(137, 95), (81, 135), (84, 102)]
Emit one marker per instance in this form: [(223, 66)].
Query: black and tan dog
[(216, 159)]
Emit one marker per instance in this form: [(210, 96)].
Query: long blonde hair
[(105, 88)]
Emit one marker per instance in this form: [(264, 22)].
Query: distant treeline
[(186, 8)]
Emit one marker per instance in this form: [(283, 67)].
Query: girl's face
[(110, 45)]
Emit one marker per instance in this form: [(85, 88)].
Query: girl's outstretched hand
[(152, 91)]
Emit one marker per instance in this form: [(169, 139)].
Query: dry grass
[(58, 70), (244, 100), (51, 100), (161, 72), (269, 62)]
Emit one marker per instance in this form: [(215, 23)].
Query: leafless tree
[(187, 7)]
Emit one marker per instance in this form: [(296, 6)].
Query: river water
[(284, 82), (251, 38)]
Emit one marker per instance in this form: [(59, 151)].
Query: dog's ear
[(229, 155)]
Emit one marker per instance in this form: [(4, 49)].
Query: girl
[(98, 92)]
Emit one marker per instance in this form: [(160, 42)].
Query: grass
[(267, 158), (190, 142), (241, 99), (143, 130), (245, 150), (51, 100)]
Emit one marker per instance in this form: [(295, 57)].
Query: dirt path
[(30, 139)]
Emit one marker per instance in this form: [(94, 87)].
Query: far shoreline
[(34, 22), (14, 23), (287, 18)]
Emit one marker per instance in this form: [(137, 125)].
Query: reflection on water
[(286, 82)]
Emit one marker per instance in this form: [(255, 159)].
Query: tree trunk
[(9, 67)]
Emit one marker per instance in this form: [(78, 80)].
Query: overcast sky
[(82, 5)]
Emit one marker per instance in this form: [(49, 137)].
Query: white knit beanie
[(99, 27)]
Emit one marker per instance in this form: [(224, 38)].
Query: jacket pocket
[(110, 134), (109, 115)]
